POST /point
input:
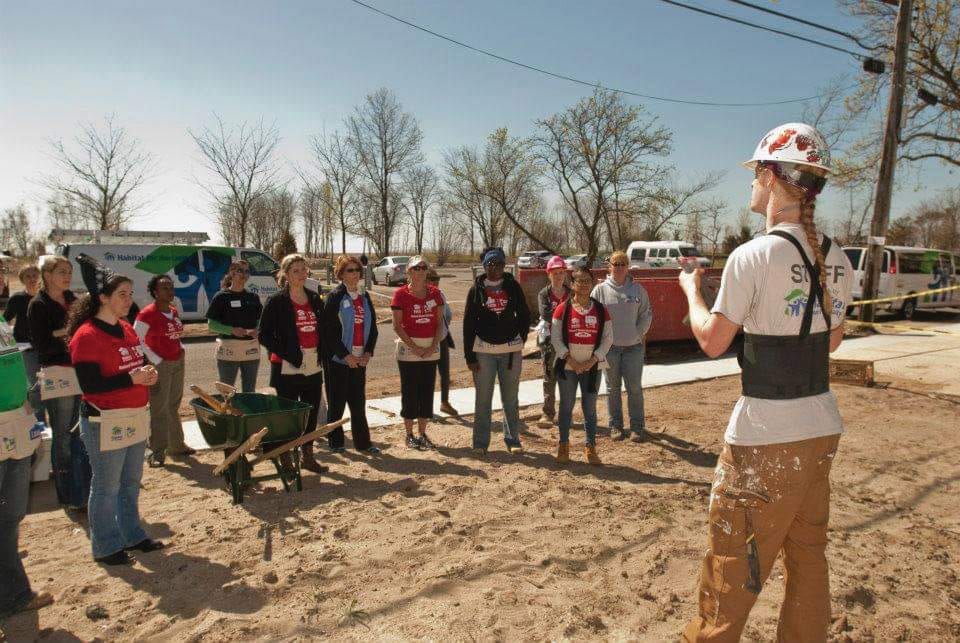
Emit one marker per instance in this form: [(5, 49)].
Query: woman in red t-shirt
[(159, 328), (417, 309), (581, 336), (290, 330), (114, 416)]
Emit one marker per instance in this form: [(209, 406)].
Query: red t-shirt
[(419, 315), (114, 356), (582, 328), (306, 323), (556, 301), (495, 299), (163, 335), (358, 312)]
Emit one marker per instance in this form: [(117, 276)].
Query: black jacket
[(480, 321), (333, 326), (47, 316), (278, 327), (16, 313)]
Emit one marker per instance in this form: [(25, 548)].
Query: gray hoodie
[(629, 309)]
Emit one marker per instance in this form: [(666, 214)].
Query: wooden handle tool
[(214, 403), (248, 445), (303, 439)]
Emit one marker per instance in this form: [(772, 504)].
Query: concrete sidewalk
[(923, 353)]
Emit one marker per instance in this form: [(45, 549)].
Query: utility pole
[(888, 160)]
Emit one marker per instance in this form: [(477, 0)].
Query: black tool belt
[(785, 367), (776, 367)]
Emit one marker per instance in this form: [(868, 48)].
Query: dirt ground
[(445, 546)]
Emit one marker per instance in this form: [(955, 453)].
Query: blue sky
[(164, 67)]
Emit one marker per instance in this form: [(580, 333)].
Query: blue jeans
[(588, 402), (15, 590), (114, 490), (493, 366), (71, 468), (625, 363), (227, 371), (32, 366)]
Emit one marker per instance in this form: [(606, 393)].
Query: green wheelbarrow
[(254, 423)]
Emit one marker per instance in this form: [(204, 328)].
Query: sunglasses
[(351, 270), (418, 268)]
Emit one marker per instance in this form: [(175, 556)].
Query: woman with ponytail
[(114, 415), (787, 290)]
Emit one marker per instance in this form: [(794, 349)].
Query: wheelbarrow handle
[(248, 445), (214, 403), (303, 439)]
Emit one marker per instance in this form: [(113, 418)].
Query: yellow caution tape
[(899, 297), (896, 327)]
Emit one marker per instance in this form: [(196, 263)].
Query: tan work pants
[(166, 431), (784, 491)]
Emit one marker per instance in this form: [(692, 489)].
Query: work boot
[(591, 453), (308, 461), (563, 453)]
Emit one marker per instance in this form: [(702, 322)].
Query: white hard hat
[(796, 143)]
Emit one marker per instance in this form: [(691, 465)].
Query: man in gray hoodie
[(629, 307)]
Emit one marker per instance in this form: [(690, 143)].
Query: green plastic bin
[(285, 419)]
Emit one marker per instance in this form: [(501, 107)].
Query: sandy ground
[(444, 546)]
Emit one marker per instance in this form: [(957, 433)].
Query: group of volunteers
[(121, 383)]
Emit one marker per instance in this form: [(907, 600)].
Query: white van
[(905, 271), (196, 270), (663, 254)]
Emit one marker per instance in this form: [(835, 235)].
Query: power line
[(571, 79), (795, 19), (763, 28)]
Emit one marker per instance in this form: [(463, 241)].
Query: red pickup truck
[(668, 301)]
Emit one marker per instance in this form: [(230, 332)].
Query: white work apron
[(57, 381), (308, 366), (19, 434), (512, 346), (121, 428), (404, 354), (237, 350)]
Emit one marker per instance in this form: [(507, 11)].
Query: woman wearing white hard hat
[(788, 291)]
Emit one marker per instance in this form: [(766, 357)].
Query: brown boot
[(591, 453), (563, 453), (308, 462)]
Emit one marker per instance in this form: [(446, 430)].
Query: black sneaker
[(146, 545), (426, 443), (372, 450), (338, 450), (116, 558), (413, 442)]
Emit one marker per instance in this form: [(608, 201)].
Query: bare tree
[(511, 175), (386, 141), (102, 172), (16, 222), (422, 192), (310, 212), (64, 211), (467, 196), (672, 202), (272, 218), (592, 145), (339, 166), (243, 169)]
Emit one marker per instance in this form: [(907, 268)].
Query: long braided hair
[(807, 207)]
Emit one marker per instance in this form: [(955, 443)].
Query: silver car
[(390, 271), (534, 259)]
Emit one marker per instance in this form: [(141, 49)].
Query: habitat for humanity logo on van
[(109, 256)]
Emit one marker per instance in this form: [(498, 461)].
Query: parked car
[(905, 271), (390, 271), (663, 254), (533, 259)]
